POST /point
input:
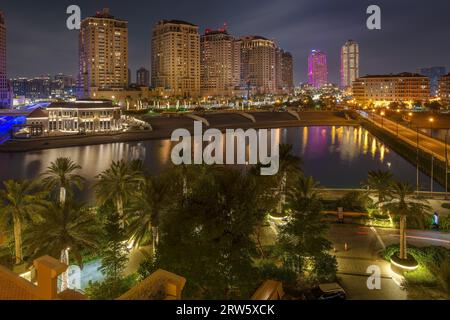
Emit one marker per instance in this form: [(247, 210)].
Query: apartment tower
[(143, 77), (287, 72), (220, 61), (175, 58), (349, 63), (259, 64), (103, 53)]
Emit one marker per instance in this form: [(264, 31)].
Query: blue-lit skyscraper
[(434, 74)]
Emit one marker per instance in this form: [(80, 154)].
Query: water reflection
[(336, 156)]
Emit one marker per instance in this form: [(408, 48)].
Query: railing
[(415, 139), (425, 194)]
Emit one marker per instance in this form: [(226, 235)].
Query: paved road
[(428, 144), (418, 238), (363, 247)]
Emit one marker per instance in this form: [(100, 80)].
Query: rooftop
[(176, 22), (391, 75), (254, 38), (105, 14), (83, 104)]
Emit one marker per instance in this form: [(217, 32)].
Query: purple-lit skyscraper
[(317, 69)]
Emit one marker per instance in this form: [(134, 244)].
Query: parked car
[(327, 291)]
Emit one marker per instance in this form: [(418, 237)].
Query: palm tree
[(18, 202), (119, 183), (306, 188), (381, 181), (290, 165), (61, 174), (402, 206), (148, 205), (64, 227)]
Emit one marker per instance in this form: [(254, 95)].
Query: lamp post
[(417, 162), (382, 118), (446, 165), (432, 173), (431, 126), (410, 119)]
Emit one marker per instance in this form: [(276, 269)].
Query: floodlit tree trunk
[(282, 193), (62, 195), (18, 239), (119, 207), (403, 254), (65, 274), (185, 188), (155, 239), (258, 240)]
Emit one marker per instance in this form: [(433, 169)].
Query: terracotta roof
[(155, 287), (71, 295), (38, 113), (13, 287), (83, 104)]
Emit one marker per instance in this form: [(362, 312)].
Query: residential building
[(383, 89), (5, 98), (349, 63), (143, 77), (259, 64), (444, 89), (176, 58), (103, 56), (434, 74), (287, 72), (37, 88), (317, 69), (220, 61)]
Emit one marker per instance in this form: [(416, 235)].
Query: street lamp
[(410, 114), (382, 117), (431, 126)]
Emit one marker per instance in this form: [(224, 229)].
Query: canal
[(336, 156)]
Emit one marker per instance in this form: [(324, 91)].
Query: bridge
[(414, 138), (14, 118)]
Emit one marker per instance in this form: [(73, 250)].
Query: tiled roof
[(13, 287)]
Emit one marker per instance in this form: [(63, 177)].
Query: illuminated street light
[(410, 114), (382, 118), (431, 126)]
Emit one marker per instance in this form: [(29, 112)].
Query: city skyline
[(312, 33)]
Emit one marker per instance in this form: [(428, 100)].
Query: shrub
[(434, 269), (444, 224), (110, 288), (325, 268), (355, 201), (421, 276), (446, 205), (271, 271)]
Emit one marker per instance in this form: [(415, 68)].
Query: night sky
[(415, 33)]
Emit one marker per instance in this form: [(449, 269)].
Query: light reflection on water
[(335, 156)]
